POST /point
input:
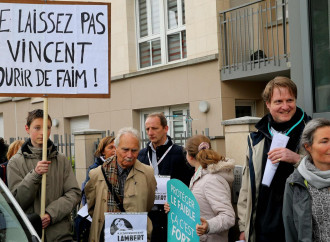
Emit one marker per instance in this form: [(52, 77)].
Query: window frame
[(2, 130), (247, 103), (164, 32), (168, 112), (315, 92)]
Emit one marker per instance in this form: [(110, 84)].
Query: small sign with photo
[(161, 189), (125, 227)]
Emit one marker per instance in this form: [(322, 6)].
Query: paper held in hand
[(279, 141), (161, 189)]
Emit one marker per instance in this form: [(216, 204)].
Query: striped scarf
[(110, 169)]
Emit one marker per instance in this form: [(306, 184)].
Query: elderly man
[(167, 159), (260, 206), (133, 184)]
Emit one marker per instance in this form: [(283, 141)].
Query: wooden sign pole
[(44, 157)]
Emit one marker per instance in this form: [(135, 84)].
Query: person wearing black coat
[(167, 159), (3, 160), (174, 163), (3, 151)]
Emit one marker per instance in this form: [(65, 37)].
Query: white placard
[(161, 189), (125, 227), (279, 141), (56, 48)]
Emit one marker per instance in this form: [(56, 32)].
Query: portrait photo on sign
[(125, 227), (120, 224)]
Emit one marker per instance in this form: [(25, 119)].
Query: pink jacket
[(211, 188)]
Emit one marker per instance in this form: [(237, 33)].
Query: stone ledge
[(5, 99), (167, 67), (88, 131), (242, 120)]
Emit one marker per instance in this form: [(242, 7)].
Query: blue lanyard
[(287, 133)]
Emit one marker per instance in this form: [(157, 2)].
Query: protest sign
[(125, 227), (184, 213), (161, 189), (57, 49)]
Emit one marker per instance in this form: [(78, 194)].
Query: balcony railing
[(254, 40)]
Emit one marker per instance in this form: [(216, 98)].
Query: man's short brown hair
[(277, 82), (161, 116), (37, 113)]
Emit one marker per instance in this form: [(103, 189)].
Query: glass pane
[(174, 52), (145, 138), (12, 225), (242, 111), (155, 16), (184, 46), (320, 23), (188, 122), (183, 13), (143, 18), (156, 53), (144, 54), (178, 128), (172, 14)]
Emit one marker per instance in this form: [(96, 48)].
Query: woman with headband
[(211, 186)]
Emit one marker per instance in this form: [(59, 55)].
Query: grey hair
[(127, 130), (307, 136)]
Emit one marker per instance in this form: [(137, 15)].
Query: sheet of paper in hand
[(279, 141), (161, 189)]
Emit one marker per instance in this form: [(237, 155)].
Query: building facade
[(199, 62)]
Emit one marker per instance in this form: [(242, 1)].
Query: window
[(178, 121), (245, 108), (161, 32), (1, 125), (78, 124), (280, 5), (320, 45)]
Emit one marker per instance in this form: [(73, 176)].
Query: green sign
[(184, 213)]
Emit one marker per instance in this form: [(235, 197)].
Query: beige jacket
[(213, 194), (139, 195)]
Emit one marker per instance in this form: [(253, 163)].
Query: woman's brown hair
[(203, 156), (13, 148), (103, 143)]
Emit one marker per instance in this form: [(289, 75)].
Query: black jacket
[(174, 163), (269, 201)]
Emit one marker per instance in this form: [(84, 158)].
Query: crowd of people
[(294, 206)]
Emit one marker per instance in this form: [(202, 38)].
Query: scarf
[(295, 134), (38, 151), (315, 177), (111, 172)]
